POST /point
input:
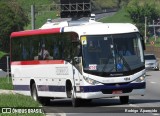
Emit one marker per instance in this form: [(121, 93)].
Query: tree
[(6, 23), (138, 12), (12, 18), (21, 18), (122, 3)]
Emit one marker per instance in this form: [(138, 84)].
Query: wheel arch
[(68, 86), (31, 83)]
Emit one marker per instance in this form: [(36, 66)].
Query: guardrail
[(153, 50)]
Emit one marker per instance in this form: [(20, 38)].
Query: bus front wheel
[(124, 99), (75, 101)]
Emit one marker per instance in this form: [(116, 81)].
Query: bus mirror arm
[(68, 59), (143, 43), (77, 60)]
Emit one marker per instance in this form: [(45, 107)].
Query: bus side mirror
[(77, 60), (143, 43)]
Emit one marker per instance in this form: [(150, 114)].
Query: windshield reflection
[(112, 53)]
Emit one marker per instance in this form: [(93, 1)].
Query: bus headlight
[(141, 78), (90, 81)]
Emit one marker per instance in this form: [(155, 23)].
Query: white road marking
[(133, 105), (153, 82), (55, 114), (155, 114)]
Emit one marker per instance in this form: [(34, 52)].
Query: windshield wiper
[(103, 69), (112, 53), (124, 61)]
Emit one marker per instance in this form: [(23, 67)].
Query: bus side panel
[(50, 79), (21, 84)]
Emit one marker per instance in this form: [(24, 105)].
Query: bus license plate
[(117, 92)]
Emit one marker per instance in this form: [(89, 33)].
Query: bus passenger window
[(55, 52), (24, 53), (43, 54)]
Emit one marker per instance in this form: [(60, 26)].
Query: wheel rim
[(34, 93), (34, 96), (74, 100)]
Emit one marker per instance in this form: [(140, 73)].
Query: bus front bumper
[(112, 90)]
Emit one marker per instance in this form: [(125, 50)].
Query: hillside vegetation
[(42, 11), (45, 10), (120, 17), (27, 4)]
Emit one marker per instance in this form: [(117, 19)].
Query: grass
[(120, 17), (20, 102), (41, 19), (6, 83), (27, 5), (2, 54), (21, 114), (17, 100), (42, 10)]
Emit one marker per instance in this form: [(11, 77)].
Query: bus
[(79, 60)]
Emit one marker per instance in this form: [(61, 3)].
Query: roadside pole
[(8, 68), (145, 30), (33, 16), (154, 31)]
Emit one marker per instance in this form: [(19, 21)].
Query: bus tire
[(34, 92), (68, 89), (75, 101), (87, 100), (124, 99), (43, 100)]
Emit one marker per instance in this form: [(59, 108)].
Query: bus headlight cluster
[(141, 78), (90, 81)]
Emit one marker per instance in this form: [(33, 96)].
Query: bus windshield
[(116, 53)]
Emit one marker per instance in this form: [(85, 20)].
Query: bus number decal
[(92, 66), (62, 71)]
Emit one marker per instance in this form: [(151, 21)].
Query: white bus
[(83, 61)]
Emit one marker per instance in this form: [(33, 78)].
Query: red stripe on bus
[(37, 62), (35, 32)]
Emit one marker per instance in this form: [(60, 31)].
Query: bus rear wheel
[(34, 92), (43, 100), (124, 99)]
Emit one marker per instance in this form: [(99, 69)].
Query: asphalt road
[(97, 17), (112, 106)]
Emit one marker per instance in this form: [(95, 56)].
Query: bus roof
[(92, 27), (103, 28), (35, 32), (81, 28)]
